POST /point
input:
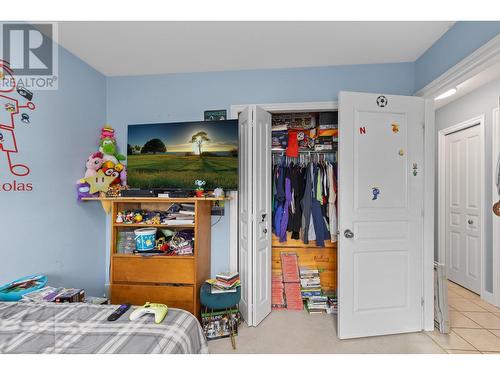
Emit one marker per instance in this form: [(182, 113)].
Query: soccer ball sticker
[(382, 101)]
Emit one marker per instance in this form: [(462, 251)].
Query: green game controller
[(158, 309)]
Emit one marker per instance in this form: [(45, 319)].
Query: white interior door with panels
[(463, 186), (255, 214), (381, 208)]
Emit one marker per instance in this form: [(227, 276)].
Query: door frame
[(272, 108), (495, 139), (429, 168), (475, 121)]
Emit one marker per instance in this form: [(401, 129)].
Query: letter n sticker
[(362, 130)]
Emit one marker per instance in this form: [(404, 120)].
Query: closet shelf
[(305, 152), (155, 225)]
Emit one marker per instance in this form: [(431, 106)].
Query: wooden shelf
[(153, 225), (291, 243), (156, 256), (155, 199), (173, 280), (107, 202)]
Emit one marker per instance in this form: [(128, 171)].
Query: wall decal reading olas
[(12, 101)]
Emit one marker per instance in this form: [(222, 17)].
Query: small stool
[(221, 301)]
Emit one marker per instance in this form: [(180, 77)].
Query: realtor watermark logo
[(31, 49)]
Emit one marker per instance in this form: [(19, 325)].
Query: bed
[(76, 328)]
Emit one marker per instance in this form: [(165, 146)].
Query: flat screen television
[(174, 155)]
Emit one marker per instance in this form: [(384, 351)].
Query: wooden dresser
[(172, 280)]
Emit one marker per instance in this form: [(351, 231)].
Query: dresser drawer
[(152, 269), (180, 297)]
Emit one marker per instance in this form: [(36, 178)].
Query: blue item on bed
[(16, 289)]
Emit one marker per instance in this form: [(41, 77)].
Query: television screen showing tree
[(174, 155)]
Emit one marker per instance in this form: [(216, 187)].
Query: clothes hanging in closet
[(304, 201)]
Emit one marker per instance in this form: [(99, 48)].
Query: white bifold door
[(463, 207), (255, 214), (380, 199)]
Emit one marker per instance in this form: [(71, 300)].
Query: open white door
[(255, 214), (380, 289), (245, 263)]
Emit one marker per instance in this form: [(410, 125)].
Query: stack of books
[(332, 301), (293, 297), (323, 144), (310, 282), (58, 295), (317, 304), (184, 215), (225, 282), (290, 269), (277, 291), (314, 300)]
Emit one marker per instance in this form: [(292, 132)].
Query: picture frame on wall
[(215, 115)]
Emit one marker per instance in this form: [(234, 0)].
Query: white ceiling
[(139, 48)]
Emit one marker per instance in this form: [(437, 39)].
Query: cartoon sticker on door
[(374, 161), (12, 102)]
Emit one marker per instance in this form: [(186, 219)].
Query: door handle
[(348, 233)]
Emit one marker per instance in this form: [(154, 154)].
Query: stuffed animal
[(107, 132), (107, 145), (83, 190), (94, 162), (112, 170)]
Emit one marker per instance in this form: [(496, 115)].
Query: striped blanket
[(83, 328)]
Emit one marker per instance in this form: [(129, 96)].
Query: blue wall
[(456, 44), (66, 125), (45, 230), (184, 97)]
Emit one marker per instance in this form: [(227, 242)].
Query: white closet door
[(380, 214), (463, 207), (262, 188), (245, 215), (255, 214)]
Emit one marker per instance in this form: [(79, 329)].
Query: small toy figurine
[(113, 191), (161, 244), (137, 217), (199, 187), (129, 218), (119, 217), (123, 177), (94, 163), (376, 192)]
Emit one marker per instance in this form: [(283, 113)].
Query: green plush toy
[(107, 145)]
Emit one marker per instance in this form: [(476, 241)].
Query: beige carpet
[(298, 332)]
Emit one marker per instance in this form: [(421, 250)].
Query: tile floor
[(475, 324), (475, 329)]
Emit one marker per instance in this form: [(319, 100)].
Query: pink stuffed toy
[(94, 162)]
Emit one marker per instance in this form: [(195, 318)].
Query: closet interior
[(304, 211)]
